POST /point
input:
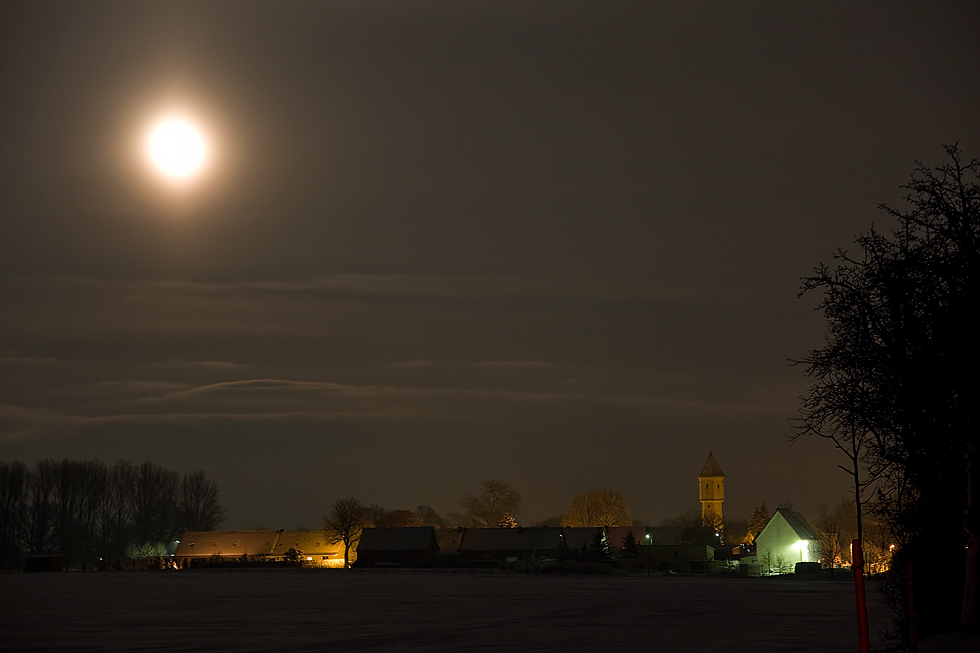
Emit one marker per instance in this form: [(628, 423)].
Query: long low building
[(313, 548)]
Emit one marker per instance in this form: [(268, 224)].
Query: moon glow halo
[(177, 149)]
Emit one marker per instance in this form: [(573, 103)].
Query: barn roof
[(226, 543), (711, 468), (407, 538), (308, 542), (511, 539), (798, 523), (664, 535), (576, 537), (616, 535)]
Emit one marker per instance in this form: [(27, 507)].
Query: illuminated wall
[(779, 546)]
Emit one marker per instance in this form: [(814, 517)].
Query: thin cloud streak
[(214, 365), (396, 285)]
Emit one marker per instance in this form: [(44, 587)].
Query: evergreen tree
[(631, 547), (759, 520), (507, 521), (599, 549)]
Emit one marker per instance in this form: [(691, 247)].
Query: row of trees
[(837, 527), (894, 386), (88, 510)]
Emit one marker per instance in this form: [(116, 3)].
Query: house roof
[(711, 468), (616, 535), (308, 542), (576, 537), (511, 539), (798, 523), (664, 535), (407, 538), (449, 539), (226, 543)]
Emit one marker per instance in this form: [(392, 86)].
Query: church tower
[(711, 482)]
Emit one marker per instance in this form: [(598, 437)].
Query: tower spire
[(711, 487)]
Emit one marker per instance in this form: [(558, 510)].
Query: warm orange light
[(177, 148)]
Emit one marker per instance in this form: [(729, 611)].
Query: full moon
[(177, 149)]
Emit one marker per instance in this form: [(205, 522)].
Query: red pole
[(913, 644), (864, 642)]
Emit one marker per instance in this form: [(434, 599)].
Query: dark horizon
[(556, 245)]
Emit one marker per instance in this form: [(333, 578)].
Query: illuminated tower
[(711, 482)]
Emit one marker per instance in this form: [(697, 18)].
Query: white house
[(787, 539)]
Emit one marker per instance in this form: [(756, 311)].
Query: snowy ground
[(288, 610)]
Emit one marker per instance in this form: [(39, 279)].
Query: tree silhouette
[(758, 521), (894, 387), (598, 508), (630, 547), (494, 501), (344, 524)]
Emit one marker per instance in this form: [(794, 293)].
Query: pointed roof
[(711, 468), (798, 523)]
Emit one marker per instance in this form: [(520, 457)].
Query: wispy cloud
[(264, 397), (211, 365), (516, 365), (395, 285), (283, 399)]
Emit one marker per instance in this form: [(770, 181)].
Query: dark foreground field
[(285, 610)]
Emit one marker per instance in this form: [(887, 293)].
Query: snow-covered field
[(290, 610)]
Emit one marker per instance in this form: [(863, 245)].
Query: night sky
[(554, 243)]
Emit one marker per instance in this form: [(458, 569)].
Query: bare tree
[(399, 519), (830, 528), (893, 386), (598, 508), (199, 507), (13, 510), (155, 503), (119, 501), (430, 517), (374, 514), (735, 530), (698, 528), (487, 508), (344, 524)]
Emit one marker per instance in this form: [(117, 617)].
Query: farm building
[(410, 546), (506, 544), (787, 539), (314, 548)]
